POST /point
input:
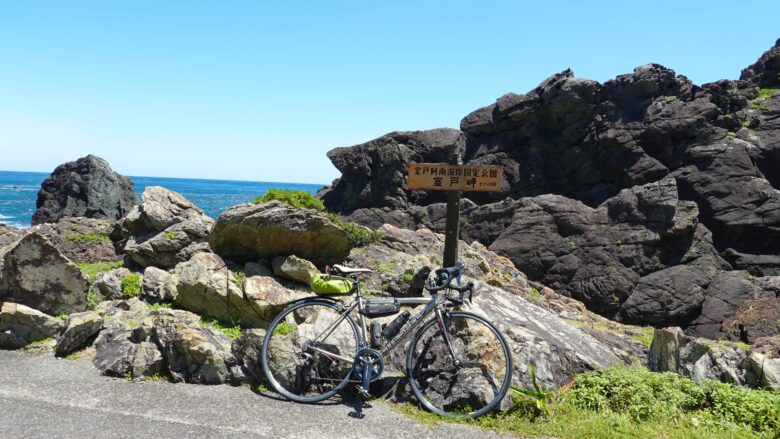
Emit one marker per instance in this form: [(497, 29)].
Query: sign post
[(454, 177)]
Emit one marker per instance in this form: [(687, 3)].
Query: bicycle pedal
[(363, 392)]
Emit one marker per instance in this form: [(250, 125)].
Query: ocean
[(19, 190)]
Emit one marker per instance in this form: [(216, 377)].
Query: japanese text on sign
[(445, 177)]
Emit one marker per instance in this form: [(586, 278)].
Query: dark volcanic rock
[(34, 273), (577, 154), (82, 239), (374, 174), (87, 187)]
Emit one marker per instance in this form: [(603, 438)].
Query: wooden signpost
[(453, 177)]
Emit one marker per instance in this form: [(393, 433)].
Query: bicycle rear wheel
[(292, 357), (474, 386)]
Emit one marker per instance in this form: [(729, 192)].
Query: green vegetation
[(295, 198), (128, 375), (358, 235), (633, 403), (37, 346), (232, 330), (92, 269), (385, 267), (159, 376), (763, 95), (89, 237), (262, 389), (131, 285), (62, 316), (160, 305), (171, 234), (284, 328), (92, 299), (534, 293), (239, 276), (408, 276)]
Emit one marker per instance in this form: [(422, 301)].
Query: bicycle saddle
[(349, 270)]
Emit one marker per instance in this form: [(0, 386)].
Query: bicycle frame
[(432, 305)]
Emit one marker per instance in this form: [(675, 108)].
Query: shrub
[(358, 235), (232, 330), (89, 237), (295, 198), (131, 285)]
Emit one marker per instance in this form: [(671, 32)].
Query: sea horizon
[(19, 192)]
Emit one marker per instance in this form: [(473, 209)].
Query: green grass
[(89, 237), (92, 269), (171, 234), (295, 198), (284, 328), (766, 93), (62, 316), (635, 403), (36, 344), (240, 276), (159, 376), (131, 285), (408, 276), (160, 305), (92, 299), (232, 330), (358, 235)]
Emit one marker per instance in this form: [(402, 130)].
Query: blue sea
[(19, 190)]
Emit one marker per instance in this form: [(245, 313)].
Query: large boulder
[(205, 285), (163, 230), (108, 284), (21, 325), (34, 273), (80, 328), (699, 359), (82, 239), (253, 231), (87, 187)]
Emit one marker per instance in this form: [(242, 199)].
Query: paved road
[(44, 397)]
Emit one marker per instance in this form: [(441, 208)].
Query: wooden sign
[(445, 177)]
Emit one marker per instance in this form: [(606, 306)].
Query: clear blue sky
[(262, 90)]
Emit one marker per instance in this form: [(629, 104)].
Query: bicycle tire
[(286, 336), (454, 391)]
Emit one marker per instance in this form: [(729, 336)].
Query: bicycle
[(457, 363)]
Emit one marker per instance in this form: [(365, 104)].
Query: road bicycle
[(457, 363)]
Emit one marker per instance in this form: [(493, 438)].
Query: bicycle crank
[(368, 365)]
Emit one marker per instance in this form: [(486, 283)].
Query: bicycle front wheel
[(302, 347), (472, 383)]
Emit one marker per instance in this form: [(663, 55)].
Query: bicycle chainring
[(371, 357)]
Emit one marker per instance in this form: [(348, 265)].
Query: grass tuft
[(89, 237), (232, 330), (92, 269), (131, 285), (295, 198)]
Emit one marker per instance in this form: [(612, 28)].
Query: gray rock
[(163, 230), (247, 349), (116, 358), (205, 285), (34, 273), (148, 360), (249, 232), (766, 369), (108, 285), (156, 284), (193, 354), (82, 239), (21, 325), (79, 329), (84, 188), (294, 268)]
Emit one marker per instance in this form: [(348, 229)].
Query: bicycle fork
[(446, 335)]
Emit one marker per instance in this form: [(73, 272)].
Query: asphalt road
[(44, 397)]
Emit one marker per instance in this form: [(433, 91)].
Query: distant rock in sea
[(88, 188)]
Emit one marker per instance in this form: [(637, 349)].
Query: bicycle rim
[(298, 372), (472, 388)]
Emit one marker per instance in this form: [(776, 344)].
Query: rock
[(206, 286), (148, 360), (767, 370), (687, 174), (163, 230), (84, 188), (294, 268), (156, 285), (79, 329), (8, 235), (82, 239), (249, 232), (754, 319), (108, 284), (34, 273), (767, 346), (193, 354), (267, 297), (248, 349), (21, 325), (116, 358), (374, 174), (700, 359), (120, 318), (723, 297)]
